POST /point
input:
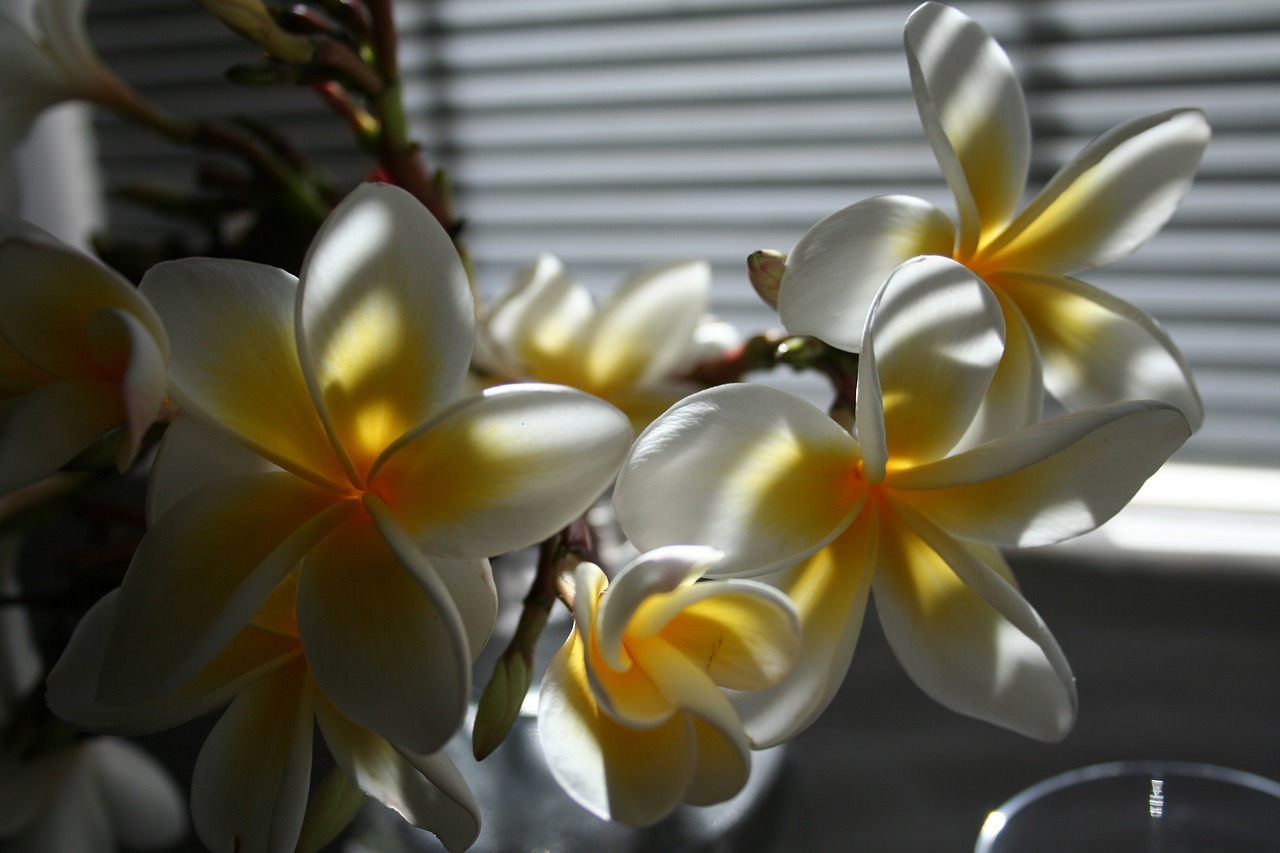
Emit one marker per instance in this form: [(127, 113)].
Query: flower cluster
[(336, 453)]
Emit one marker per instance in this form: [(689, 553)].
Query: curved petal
[(191, 454), (965, 636), (836, 269), (502, 470), (385, 320), (1049, 481), (633, 775), (249, 787), (723, 767), (125, 348), (644, 331), (50, 293), (742, 634), (537, 330), (753, 471), (1015, 397), (654, 573), (235, 361), (50, 425), (428, 791), (934, 337), (1099, 349), (143, 803), (198, 577), (472, 590), (829, 592), (73, 681), (974, 115), (642, 404), (386, 644), (1107, 201)]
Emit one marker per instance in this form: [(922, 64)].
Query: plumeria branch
[(513, 673)]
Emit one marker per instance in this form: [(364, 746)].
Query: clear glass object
[(1141, 807)]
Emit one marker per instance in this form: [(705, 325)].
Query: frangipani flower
[(1084, 345), (47, 60), (90, 795), (632, 715), (628, 352), (791, 496), (81, 353), (321, 429), (252, 776)]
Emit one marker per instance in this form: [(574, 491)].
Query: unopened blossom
[(1084, 345), (250, 786), (70, 794), (82, 354), (48, 59), (897, 508), (633, 714), (322, 429), (629, 351)]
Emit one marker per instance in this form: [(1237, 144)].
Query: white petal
[(385, 320), (118, 336), (235, 361), (249, 788), (934, 337), (143, 803), (50, 425), (428, 791), (967, 637), (835, 270), (503, 470), (1099, 349), (750, 470), (192, 454), (645, 329), (385, 642), (974, 115), (1015, 397), (653, 573), (1049, 481), (198, 577), (1109, 200)]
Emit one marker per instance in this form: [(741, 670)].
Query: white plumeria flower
[(252, 776), (322, 428), (828, 517), (1085, 346), (628, 352), (47, 60), (90, 796), (632, 714), (81, 353)]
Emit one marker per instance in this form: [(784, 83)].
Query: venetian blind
[(619, 132)]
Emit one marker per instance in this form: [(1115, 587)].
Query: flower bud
[(765, 269)]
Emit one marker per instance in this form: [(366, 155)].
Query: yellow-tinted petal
[(722, 769), (933, 340), (503, 470), (538, 329), (829, 592), (385, 320), (633, 775), (974, 115), (1107, 201), (200, 574)]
